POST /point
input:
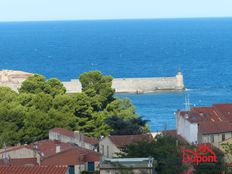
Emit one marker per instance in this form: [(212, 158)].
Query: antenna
[(187, 103)]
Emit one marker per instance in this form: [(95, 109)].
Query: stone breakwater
[(137, 85), (14, 79)]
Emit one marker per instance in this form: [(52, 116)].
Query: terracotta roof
[(64, 132), (214, 119), (123, 140), (33, 170), (214, 127), (74, 156), (91, 140), (48, 147), (44, 147), (71, 134), (218, 112), (19, 162)]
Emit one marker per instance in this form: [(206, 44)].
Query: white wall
[(189, 131), (103, 144), (21, 153), (133, 85)]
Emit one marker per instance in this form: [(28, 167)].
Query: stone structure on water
[(14, 79), (137, 85)]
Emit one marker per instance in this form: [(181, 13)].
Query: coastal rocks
[(13, 79)]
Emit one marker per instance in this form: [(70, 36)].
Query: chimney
[(38, 159), (57, 148)]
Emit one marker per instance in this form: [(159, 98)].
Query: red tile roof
[(19, 162), (33, 170), (64, 132), (71, 134), (214, 127), (91, 140), (123, 140), (48, 147), (74, 156), (44, 147), (214, 119)]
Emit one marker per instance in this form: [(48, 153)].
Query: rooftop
[(33, 170), (71, 134), (74, 156), (45, 147), (214, 119), (19, 162)]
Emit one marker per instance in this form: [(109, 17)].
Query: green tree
[(122, 108), (132, 126), (38, 84), (35, 84), (99, 87), (43, 104), (7, 94), (163, 149)]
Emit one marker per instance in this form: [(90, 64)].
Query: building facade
[(205, 124), (110, 146)]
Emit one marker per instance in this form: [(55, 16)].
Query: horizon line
[(114, 19)]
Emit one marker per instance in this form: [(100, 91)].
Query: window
[(212, 138), (223, 137), (102, 149), (107, 152)]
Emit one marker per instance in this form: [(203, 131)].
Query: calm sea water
[(130, 48)]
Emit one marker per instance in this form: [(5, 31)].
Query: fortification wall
[(14, 79), (136, 85)]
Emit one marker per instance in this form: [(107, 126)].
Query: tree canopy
[(43, 104), (167, 151)]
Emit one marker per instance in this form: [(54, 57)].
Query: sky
[(37, 10)]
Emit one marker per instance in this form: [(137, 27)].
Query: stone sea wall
[(14, 79), (136, 85)]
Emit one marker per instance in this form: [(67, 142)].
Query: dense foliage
[(166, 150), (43, 104), (163, 149)]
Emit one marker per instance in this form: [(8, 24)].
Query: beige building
[(110, 146), (205, 124)]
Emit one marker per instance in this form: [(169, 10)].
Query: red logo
[(201, 155)]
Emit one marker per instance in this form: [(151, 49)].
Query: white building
[(110, 146), (76, 137), (205, 124)]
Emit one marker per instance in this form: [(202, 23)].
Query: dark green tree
[(163, 149), (132, 126), (98, 87)]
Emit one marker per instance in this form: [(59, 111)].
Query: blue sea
[(201, 48)]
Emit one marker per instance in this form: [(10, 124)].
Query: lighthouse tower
[(180, 81)]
